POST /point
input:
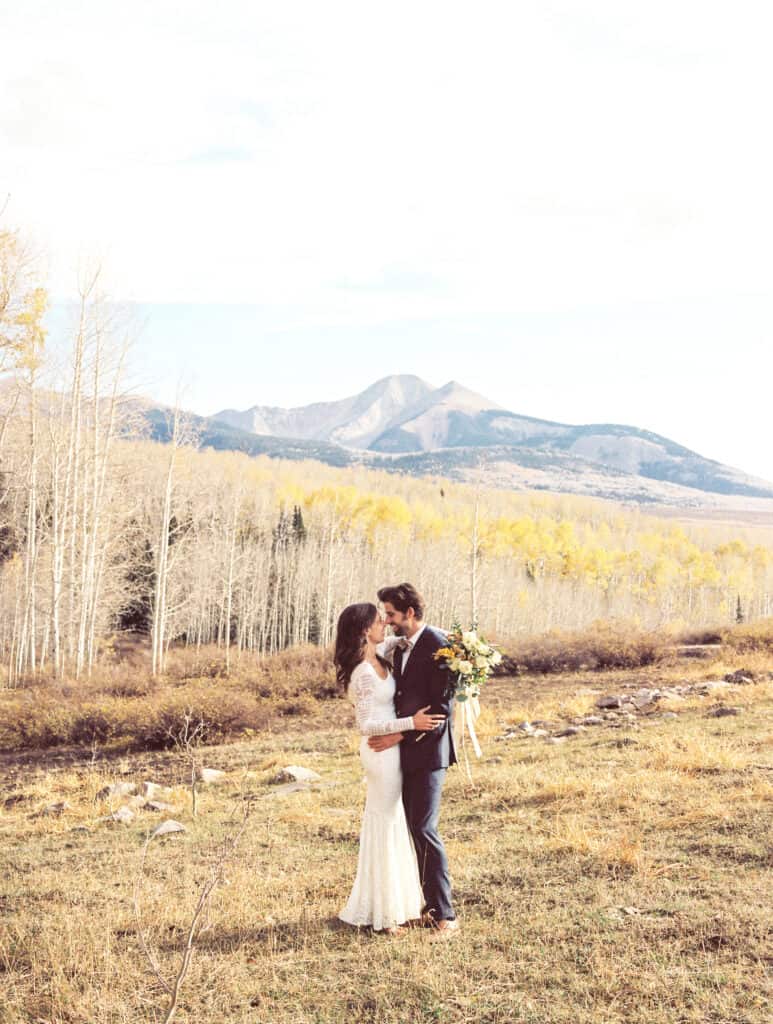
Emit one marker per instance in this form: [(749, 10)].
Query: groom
[(424, 757)]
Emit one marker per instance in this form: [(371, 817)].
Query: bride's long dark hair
[(353, 623)]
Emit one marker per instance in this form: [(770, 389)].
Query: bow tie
[(404, 643)]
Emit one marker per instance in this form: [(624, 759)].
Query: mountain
[(352, 422), (403, 424)]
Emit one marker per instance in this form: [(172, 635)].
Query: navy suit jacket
[(425, 683)]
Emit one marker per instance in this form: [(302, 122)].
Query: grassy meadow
[(621, 874)]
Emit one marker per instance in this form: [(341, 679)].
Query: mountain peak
[(456, 394), (404, 418)]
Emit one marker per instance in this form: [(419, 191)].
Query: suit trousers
[(421, 798)]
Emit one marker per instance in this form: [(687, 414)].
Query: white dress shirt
[(412, 641)]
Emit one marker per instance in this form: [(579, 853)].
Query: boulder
[(152, 790), (609, 701), (117, 789), (723, 712), (124, 815), (571, 730), (158, 805), (55, 810), (167, 828), (592, 720), (742, 677), (295, 773), (210, 776)]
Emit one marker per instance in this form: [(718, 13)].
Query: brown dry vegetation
[(124, 706), (621, 876)]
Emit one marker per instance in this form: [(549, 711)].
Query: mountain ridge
[(404, 420)]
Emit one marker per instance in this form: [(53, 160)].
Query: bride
[(387, 892)]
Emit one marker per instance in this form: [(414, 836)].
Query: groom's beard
[(400, 630)]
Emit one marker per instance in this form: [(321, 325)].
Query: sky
[(565, 206)]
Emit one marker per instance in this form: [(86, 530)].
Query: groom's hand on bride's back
[(379, 743)]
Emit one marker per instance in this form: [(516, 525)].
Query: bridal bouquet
[(471, 660)]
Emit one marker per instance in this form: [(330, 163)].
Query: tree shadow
[(274, 938)]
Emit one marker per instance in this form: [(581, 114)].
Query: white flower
[(496, 658), (470, 638), (484, 649), (453, 664), (481, 663), (465, 667)]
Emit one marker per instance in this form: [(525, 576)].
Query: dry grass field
[(622, 874)]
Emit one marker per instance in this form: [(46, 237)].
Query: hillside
[(403, 425)]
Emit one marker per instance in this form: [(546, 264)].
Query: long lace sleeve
[(362, 691)]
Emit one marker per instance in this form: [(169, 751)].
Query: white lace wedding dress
[(387, 891)]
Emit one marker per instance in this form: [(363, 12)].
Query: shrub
[(603, 646), (34, 721), (306, 670), (756, 636), (226, 713)]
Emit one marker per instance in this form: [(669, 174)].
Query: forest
[(104, 532)]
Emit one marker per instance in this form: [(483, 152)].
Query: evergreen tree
[(299, 527)]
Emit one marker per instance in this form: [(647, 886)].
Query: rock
[(124, 815), (743, 677), (723, 712), (158, 805), (117, 789), (540, 733), (669, 716), (646, 699), (210, 776), (167, 828), (152, 791), (609, 702), (135, 801), (55, 810), (294, 773), (571, 730), (610, 716), (592, 720), (553, 740), (526, 727)]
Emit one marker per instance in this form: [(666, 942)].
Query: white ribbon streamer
[(469, 712)]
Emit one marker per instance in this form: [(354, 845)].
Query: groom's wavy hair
[(402, 597), (353, 623)]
